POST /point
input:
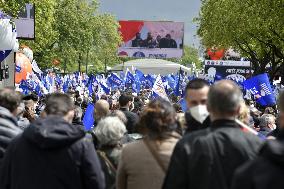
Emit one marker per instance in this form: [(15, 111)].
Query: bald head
[(101, 109), (224, 98)]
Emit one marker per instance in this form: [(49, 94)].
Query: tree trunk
[(282, 74), (79, 62)]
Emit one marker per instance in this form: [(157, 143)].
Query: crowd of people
[(141, 142), (150, 42)]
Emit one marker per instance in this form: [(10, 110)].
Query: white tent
[(152, 66)]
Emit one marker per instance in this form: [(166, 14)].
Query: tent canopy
[(152, 66)]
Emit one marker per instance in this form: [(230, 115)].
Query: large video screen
[(235, 70), (25, 24), (147, 39)]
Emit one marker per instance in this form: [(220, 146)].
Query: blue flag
[(105, 88), (115, 80), (177, 92), (90, 85), (150, 80), (18, 69), (38, 90), (137, 85), (140, 75), (260, 87), (183, 104), (4, 54), (171, 81), (88, 120), (129, 78)]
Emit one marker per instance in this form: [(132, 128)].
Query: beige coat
[(138, 169)]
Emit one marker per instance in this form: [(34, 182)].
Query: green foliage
[(253, 27), (190, 56), (73, 32), (12, 7), (45, 34)]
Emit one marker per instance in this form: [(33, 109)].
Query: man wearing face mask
[(207, 159), (197, 116)]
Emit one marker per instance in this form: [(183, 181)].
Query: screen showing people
[(151, 42), (151, 39)]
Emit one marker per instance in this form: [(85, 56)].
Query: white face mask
[(199, 113)]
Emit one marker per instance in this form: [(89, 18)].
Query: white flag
[(159, 88)]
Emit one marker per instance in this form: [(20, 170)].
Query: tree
[(254, 28), (190, 56), (69, 30), (12, 7), (46, 36)]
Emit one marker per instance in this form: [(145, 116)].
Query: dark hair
[(280, 101), (196, 84), (124, 99), (10, 99), (32, 97), (58, 104), (158, 118)]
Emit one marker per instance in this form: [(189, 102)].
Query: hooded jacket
[(8, 129), (51, 153), (266, 171)]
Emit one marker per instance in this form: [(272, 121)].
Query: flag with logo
[(113, 79), (159, 88), (260, 87)]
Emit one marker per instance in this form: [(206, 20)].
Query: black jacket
[(266, 171), (193, 125), (51, 153), (207, 158), (8, 129), (132, 120)]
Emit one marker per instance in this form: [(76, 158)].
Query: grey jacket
[(8, 129)]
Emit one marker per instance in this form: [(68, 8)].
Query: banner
[(260, 87), (235, 70), (151, 39)]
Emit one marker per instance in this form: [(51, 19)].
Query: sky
[(166, 10)]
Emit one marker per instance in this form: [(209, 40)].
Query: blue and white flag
[(113, 79), (4, 54), (129, 77), (159, 88), (36, 68), (18, 68), (260, 87), (105, 88)]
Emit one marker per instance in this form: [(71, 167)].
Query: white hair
[(266, 119), (110, 131)]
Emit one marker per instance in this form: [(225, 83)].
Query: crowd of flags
[(257, 88)]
